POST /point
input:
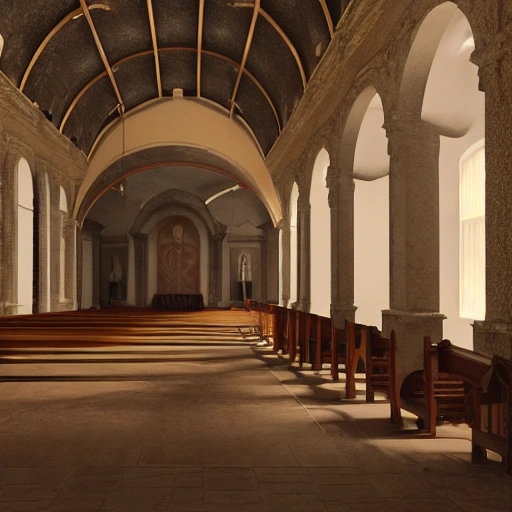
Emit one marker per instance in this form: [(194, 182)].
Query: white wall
[(25, 237), (371, 250), (320, 239), (293, 244)]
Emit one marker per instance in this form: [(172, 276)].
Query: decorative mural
[(178, 257)]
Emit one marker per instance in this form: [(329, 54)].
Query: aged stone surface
[(341, 202), (304, 250)]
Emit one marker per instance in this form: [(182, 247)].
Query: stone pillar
[(55, 236), (304, 252), (341, 202), (285, 262), (215, 271), (140, 246), (271, 255), (8, 230), (494, 335), (69, 229), (42, 213), (414, 241), (91, 231)]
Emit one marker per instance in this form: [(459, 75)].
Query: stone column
[(494, 335), (304, 252), (341, 202), (414, 241), (55, 235), (91, 231), (69, 229), (140, 246), (285, 262), (8, 230), (42, 213), (271, 254), (215, 271)]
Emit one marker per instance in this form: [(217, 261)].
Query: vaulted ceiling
[(84, 62)]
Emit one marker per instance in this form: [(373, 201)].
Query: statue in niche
[(178, 259), (244, 277)]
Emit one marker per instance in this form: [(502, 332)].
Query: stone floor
[(220, 429)]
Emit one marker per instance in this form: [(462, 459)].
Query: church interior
[(218, 218)]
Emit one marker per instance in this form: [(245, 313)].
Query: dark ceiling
[(253, 58)]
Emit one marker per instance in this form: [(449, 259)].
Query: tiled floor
[(221, 429)]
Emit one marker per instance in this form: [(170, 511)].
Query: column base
[(410, 330), (341, 313), (8, 308), (492, 338)]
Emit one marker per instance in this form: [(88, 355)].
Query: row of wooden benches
[(314, 339), (454, 385)]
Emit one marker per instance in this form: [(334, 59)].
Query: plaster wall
[(371, 250), (320, 239)]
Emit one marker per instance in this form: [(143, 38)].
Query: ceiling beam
[(103, 56), (155, 46), (245, 55), (96, 79), (200, 27), (290, 45), (71, 16), (328, 18)]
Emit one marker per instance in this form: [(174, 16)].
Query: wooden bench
[(492, 414), (379, 361)]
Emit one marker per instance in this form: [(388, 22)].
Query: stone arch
[(178, 198), (184, 132), (364, 155), (352, 125), (426, 38), (143, 274), (439, 90)]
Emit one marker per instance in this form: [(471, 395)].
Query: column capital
[(406, 132), (338, 181), (490, 59)]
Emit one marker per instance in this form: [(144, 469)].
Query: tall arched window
[(472, 232)]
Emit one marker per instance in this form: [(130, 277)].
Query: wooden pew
[(450, 377), (379, 359), (492, 414), (281, 326)]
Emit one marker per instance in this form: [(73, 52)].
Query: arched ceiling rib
[(253, 57)]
